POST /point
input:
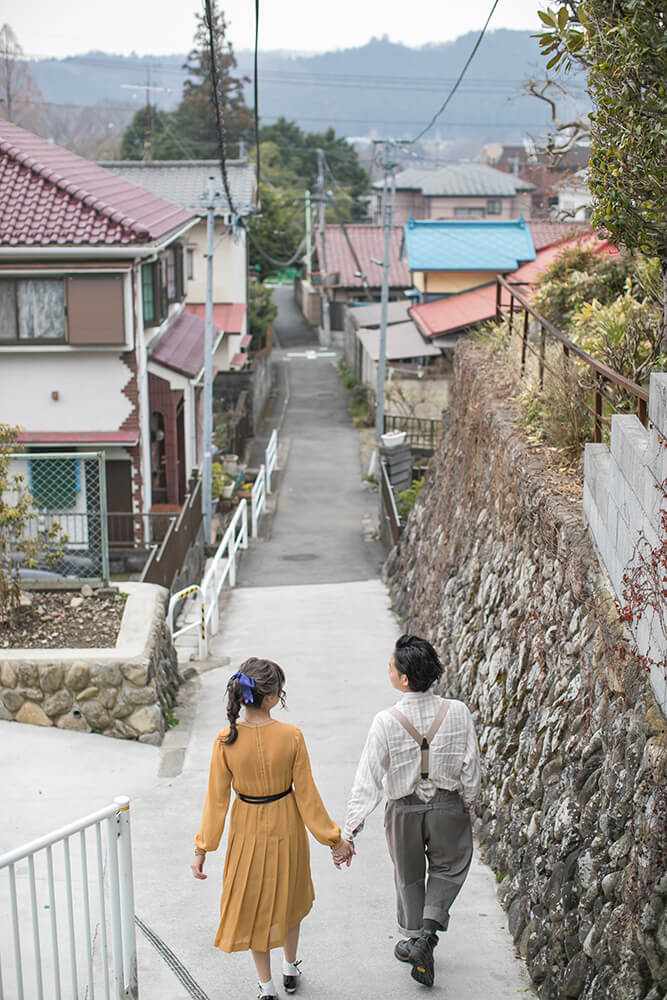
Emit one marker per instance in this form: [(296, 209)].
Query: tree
[(20, 97), (622, 45), (133, 145), (18, 546), (278, 230)]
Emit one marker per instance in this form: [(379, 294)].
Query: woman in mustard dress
[(267, 889)]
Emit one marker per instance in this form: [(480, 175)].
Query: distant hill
[(381, 88)]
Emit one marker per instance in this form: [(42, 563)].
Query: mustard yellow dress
[(266, 888)]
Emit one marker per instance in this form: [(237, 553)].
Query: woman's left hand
[(197, 866)]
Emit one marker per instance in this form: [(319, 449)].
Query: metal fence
[(68, 898), (421, 432), (65, 534), (390, 522), (168, 556), (521, 317)]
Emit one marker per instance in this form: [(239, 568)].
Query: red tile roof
[(228, 316), (49, 196), (460, 311), (181, 348), (368, 242), (79, 437), (238, 361)]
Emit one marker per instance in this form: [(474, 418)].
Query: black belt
[(258, 800)]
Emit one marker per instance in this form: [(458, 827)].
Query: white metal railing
[(271, 458), (82, 952), (222, 569), (257, 499)]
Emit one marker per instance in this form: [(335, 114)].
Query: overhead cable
[(460, 77)]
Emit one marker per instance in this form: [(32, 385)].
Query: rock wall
[(496, 568), (125, 691)]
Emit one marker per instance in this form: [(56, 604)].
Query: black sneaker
[(290, 983), (403, 948), (421, 958)]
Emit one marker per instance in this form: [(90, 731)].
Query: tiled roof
[(460, 311), (181, 347), (368, 242), (460, 180), (49, 196), (403, 341), (79, 437), (467, 246), (545, 234), (227, 316), (186, 182)]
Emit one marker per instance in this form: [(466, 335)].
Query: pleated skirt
[(267, 887)]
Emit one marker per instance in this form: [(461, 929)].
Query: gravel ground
[(64, 620)]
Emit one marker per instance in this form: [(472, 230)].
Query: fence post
[(244, 525), (104, 523), (598, 409), (543, 347), (117, 973), (524, 342), (203, 632), (499, 315), (126, 887)]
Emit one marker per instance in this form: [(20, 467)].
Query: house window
[(32, 310), (150, 311), (170, 259), (469, 212), (494, 206), (190, 263)]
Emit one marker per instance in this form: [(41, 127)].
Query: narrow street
[(310, 597)]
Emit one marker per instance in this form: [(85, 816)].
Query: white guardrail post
[(79, 938), (271, 458), (257, 497)]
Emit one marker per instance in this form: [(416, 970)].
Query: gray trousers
[(438, 834)]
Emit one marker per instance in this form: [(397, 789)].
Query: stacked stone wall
[(124, 692), (495, 566)]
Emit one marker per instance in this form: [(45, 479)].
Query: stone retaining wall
[(497, 569), (123, 691)]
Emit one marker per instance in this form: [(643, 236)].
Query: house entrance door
[(119, 503)]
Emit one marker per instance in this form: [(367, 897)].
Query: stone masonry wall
[(124, 691), (496, 568)]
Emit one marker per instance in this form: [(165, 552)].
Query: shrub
[(407, 497)]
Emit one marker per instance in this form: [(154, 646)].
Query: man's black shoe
[(402, 949), (290, 983), (421, 958)]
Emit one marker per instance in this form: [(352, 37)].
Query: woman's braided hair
[(269, 679)]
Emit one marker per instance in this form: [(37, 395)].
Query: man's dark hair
[(417, 659)]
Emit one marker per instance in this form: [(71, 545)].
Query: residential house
[(575, 200), (96, 349), (458, 191), (352, 273), (444, 320), (446, 258), (185, 182)]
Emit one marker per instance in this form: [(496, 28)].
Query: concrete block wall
[(624, 501)]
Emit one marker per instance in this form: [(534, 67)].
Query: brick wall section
[(624, 496)]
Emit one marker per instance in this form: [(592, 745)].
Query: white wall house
[(574, 199), (185, 182), (92, 284)]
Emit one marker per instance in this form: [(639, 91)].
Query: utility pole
[(388, 164), (326, 319), (207, 416), (309, 238)]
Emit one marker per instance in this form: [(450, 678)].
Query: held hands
[(343, 853), (197, 866)]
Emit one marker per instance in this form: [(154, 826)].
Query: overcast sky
[(160, 27)]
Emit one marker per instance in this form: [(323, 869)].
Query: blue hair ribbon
[(247, 686)]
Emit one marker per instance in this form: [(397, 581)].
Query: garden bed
[(65, 620)]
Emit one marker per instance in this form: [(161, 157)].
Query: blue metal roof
[(467, 246)]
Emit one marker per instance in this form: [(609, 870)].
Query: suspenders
[(423, 741)]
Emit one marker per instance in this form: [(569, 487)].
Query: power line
[(460, 77)]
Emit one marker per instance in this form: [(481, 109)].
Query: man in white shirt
[(423, 754)]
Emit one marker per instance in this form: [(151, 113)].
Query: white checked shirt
[(391, 760)]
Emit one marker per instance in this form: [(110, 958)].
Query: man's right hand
[(343, 853)]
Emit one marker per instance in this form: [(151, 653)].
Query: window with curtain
[(41, 309)]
